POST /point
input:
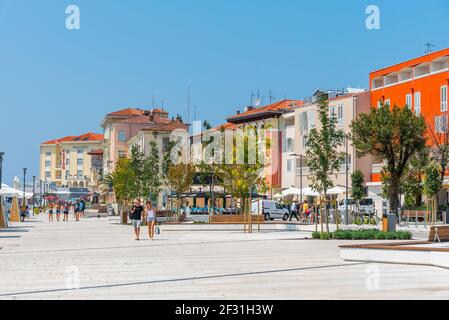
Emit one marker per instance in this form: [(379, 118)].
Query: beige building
[(296, 126), (68, 161)]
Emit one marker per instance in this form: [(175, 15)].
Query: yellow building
[(68, 161)]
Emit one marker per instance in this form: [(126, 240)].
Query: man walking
[(294, 211), (136, 217)]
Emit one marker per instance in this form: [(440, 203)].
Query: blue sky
[(55, 82)]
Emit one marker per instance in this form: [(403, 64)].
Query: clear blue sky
[(55, 82)]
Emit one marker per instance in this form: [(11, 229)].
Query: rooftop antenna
[(194, 113), (188, 104), (272, 96), (162, 103), (429, 47), (152, 104)]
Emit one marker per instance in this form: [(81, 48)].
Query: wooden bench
[(236, 219), (443, 233)]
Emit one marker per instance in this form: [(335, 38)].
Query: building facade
[(296, 126), (66, 162)]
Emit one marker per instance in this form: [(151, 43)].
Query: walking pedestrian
[(151, 219), (82, 208), (136, 217), (58, 212), (77, 210), (294, 211), (66, 212), (50, 213)]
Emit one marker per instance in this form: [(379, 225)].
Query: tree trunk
[(326, 212), (394, 195)]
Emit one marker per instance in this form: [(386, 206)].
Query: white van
[(270, 209), (366, 205)]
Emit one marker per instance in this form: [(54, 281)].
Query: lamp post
[(300, 172), (24, 196), (34, 190), (347, 178), (1, 182)]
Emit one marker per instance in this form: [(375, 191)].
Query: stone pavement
[(99, 259)]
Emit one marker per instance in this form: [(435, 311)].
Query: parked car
[(270, 209), (366, 205)]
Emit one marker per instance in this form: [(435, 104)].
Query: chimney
[(151, 117), (238, 111)]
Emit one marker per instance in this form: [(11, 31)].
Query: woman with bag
[(151, 219)]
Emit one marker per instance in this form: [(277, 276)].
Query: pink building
[(120, 126)]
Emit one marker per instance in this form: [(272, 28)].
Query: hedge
[(368, 234)]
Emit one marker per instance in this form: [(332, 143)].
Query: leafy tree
[(322, 156), (151, 173), (393, 136), (358, 190), (432, 185), (122, 180), (412, 182), (180, 178)]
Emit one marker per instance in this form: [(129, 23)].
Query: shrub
[(391, 236), (316, 235), (380, 236)]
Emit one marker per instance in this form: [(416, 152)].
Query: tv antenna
[(429, 47), (271, 96)]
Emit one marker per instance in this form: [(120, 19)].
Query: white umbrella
[(7, 191), (336, 191), (291, 192)]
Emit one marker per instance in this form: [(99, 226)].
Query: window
[(80, 162), (332, 112), (121, 154), (67, 173), (408, 101), (441, 124), (311, 115), (47, 164), (304, 141), (303, 121), (289, 165), (121, 136), (79, 174), (387, 102), (340, 115), (443, 98), (165, 144), (67, 161), (289, 145), (48, 175), (418, 102), (80, 154)]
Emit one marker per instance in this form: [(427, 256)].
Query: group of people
[(139, 213), (300, 208), (65, 208)]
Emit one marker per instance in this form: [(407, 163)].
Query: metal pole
[(347, 182), (1, 182), (34, 189), (24, 196), (300, 176)]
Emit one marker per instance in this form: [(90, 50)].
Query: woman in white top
[(151, 218)]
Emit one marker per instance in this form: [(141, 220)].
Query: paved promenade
[(99, 259)]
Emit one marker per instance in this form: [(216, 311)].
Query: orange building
[(421, 84)]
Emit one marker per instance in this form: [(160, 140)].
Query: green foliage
[(323, 159), (393, 136), (364, 234), (357, 181), (151, 173), (433, 181)]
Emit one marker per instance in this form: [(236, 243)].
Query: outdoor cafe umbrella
[(7, 191)]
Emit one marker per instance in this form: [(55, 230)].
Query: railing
[(377, 168)]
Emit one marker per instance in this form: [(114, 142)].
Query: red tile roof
[(129, 112), (82, 138), (277, 106)]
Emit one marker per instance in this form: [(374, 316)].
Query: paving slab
[(99, 259)]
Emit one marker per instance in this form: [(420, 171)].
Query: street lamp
[(1, 170), (300, 172), (24, 196), (34, 189), (347, 178)]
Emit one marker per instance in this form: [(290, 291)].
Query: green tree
[(180, 178), (122, 181), (392, 136), (412, 182), (432, 185), (358, 190), (323, 159), (151, 173)]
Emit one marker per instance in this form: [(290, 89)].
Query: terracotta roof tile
[(126, 112), (281, 105), (82, 138)]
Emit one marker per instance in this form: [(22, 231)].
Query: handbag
[(158, 230)]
